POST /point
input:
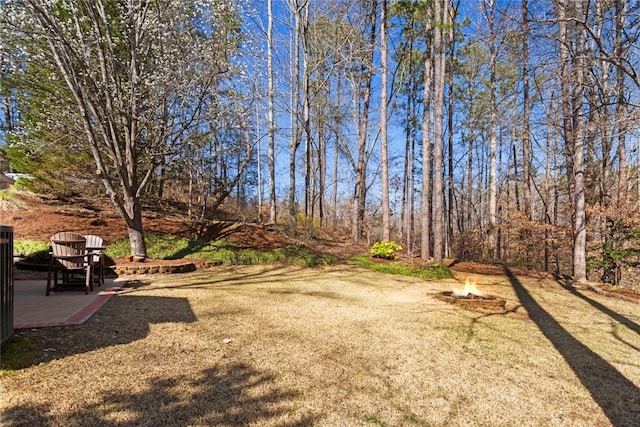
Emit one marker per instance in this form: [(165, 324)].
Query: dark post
[(6, 283)]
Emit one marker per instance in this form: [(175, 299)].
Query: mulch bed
[(622, 293)]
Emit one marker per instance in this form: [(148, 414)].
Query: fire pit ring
[(473, 302)]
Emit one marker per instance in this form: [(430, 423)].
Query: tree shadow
[(215, 230), (108, 326), (617, 396), (602, 308), (192, 247), (275, 273), (231, 395)]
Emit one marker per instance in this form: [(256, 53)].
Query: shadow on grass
[(194, 246), (604, 309), (122, 320), (207, 279), (119, 328), (232, 395), (617, 396)]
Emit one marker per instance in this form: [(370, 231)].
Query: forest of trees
[(491, 130)]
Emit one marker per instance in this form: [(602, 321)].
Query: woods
[(485, 130)]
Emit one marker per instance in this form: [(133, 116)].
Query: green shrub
[(385, 249), (35, 251)]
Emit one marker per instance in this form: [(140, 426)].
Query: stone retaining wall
[(122, 270)]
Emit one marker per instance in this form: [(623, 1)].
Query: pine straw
[(334, 346)]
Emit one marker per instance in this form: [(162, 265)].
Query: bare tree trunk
[(297, 7), (580, 227), (469, 193), (384, 155), (334, 195), (306, 116), (452, 44), (526, 101), (322, 170), (546, 196), (258, 164), (425, 206), (492, 240), (621, 110), (408, 159), (441, 17), (572, 81), (271, 117), (362, 126)]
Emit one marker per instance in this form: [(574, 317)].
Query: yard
[(334, 346)]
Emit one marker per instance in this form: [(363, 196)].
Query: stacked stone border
[(144, 268)]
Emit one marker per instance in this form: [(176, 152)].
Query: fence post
[(6, 283)]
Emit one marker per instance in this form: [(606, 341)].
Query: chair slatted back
[(94, 241), (71, 245)]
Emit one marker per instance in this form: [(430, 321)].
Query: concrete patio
[(32, 309)]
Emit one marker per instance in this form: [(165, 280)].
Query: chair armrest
[(82, 258)]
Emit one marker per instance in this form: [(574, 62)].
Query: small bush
[(34, 251), (385, 249)]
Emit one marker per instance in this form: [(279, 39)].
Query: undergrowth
[(173, 247), (35, 251), (429, 270), (224, 251)]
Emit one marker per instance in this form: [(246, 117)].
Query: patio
[(32, 309)]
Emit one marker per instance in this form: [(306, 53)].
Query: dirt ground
[(38, 218)]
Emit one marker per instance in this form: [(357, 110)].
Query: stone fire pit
[(472, 299), (473, 302)]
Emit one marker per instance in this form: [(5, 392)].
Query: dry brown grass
[(336, 346)]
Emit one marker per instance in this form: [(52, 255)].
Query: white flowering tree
[(140, 79)]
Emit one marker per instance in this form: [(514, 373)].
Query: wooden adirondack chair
[(96, 248), (69, 256)]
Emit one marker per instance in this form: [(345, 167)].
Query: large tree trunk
[(306, 119), (441, 18), (362, 127), (295, 141), (271, 118), (526, 115), (425, 201), (572, 83), (451, 66), (492, 240), (384, 155), (580, 225), (621, 119), (133, 219)]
